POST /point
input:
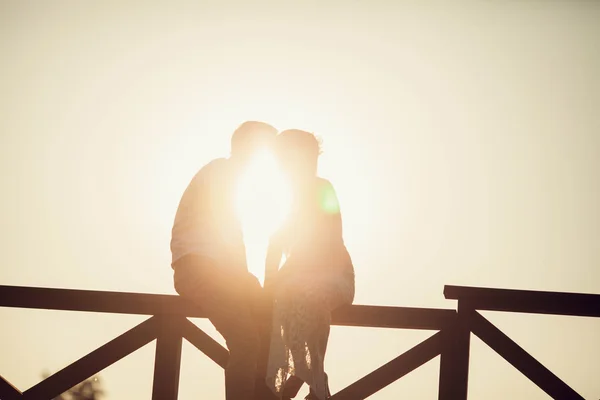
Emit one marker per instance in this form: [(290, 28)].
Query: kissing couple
[(317, 276)]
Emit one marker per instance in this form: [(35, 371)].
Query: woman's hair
[(299, 147), (301, 141)]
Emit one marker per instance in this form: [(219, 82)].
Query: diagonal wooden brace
[(205, 343), (94, 362), (520, 359), (393, 370), (8, 391)]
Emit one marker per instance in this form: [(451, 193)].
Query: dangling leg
[(332, 294), (278, 365), (295, 327), (317, 344), (321, 347)]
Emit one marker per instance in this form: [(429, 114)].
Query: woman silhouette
[(317, 275)]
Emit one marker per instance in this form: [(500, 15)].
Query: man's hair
[(250, 135)]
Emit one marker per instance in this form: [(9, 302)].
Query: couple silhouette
[(317, 276)]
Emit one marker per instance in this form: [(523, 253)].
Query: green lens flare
[(328, 200)]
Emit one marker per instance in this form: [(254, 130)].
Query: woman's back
[(313, 235), (317, 276)]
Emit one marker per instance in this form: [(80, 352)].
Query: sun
[(262, 203)]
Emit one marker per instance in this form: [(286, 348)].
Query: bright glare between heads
[(262, 204)]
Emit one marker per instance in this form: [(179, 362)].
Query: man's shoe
[(262, 391)]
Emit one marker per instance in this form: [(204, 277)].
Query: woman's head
[(298, 152)]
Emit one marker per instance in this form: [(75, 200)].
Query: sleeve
[(329, 210), (195, 201)]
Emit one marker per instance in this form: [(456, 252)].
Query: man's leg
[(221, 298), (236, 322)]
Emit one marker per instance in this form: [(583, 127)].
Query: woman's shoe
[(292, 387), (312, 396)]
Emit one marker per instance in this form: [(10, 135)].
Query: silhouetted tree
[(90, 389)]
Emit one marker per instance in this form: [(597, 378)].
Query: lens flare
[(262, 203)]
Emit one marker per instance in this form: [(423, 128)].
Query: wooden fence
[(168, 324)]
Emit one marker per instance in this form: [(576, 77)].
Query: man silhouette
[(209, 256)]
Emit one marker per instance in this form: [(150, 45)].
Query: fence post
[(168, 358), (454, 360)]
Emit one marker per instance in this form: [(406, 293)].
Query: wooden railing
[(471, 299), (168, 325)]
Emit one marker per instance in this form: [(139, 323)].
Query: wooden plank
[(527, 301), (454, 360), (8, 391), (205, 343), (393, 370), (94, 362), (154, 304), (393, 317), (96, 301), (167, 362), (520, 359)]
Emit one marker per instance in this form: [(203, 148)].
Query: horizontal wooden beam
[(526, 301), (393, 317), (393, 370), (8, 391), (96, 301), (157, 304), (95, 361), (520, 359)]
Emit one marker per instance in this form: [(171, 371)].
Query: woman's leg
[(321, 345), (308, 330), (334, 293), (309, 301)]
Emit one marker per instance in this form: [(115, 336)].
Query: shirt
[(312, 237), (206, 223)]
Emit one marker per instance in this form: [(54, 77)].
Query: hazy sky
[(463, 139)]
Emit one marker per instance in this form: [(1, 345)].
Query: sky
[(463, 139)]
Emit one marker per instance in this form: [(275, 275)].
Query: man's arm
[(193, 211)]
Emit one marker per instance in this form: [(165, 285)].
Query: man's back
[(209, 257), (206, 223)]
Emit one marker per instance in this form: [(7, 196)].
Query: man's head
[(250, 137)]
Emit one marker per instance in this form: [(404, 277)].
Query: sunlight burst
[(262, 203)]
